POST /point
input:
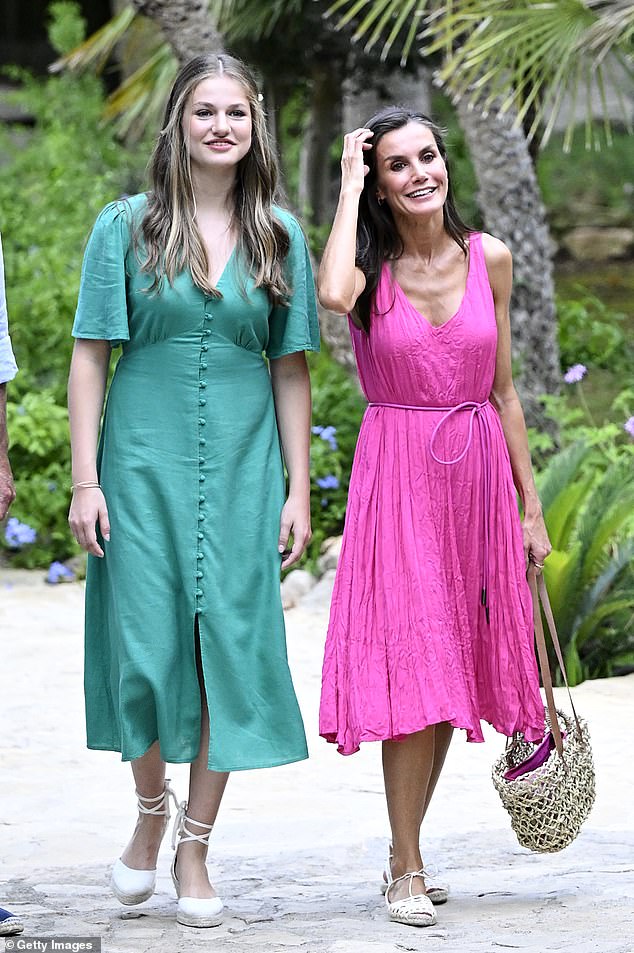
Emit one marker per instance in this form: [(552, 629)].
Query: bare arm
[(340, 282), (7, 489), (505, 399), (86, 390), (291, 393)]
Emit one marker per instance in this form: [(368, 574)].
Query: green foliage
[(584, 187), (589, 514), (591, 333), (337, 402), (587, 493), (67, 28), (53, 181)]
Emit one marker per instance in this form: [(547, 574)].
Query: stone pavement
[(297, 851)]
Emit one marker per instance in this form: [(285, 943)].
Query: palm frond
[(139, 101), (95, 51), (606, 517), (252, 19), (526, 56), (383, 20)]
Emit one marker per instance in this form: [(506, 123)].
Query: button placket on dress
[(199, 575)]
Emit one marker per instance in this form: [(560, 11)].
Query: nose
[(220, 124), (420, 171)]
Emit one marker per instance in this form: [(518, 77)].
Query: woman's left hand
[(295, 521), (536, 542)]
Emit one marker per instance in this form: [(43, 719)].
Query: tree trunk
[(187, 24), (513, 210), (315, 193)]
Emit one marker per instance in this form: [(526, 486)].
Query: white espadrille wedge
[(132, 886), (193, 911)]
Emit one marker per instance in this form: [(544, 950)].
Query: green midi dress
[(190, 464)]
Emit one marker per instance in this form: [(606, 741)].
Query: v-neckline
[(437, 327), (226, 265)]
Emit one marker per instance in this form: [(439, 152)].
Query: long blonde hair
[(171, 236)]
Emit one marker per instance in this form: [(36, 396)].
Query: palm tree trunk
[(513, 210), (187, 24), (316, 193)]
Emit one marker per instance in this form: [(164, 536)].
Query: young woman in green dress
[(182, 503)]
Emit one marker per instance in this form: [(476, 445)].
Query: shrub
[(337, 411), (53, 181)]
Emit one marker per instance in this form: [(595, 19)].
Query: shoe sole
[(413, 921), (199, 922), (130, 899)]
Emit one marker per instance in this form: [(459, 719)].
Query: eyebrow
[(230, 106), (426, 148)]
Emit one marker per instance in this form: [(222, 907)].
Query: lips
[(219, 142)]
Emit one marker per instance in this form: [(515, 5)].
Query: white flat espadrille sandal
[(415, 910), (437, 893), (132, 886)]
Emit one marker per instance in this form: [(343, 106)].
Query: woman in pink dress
[(431, 620)]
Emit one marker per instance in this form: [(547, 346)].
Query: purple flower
[(629, 426), (58, 572), (329, 482), (18, 534), (575, 373), (327, 434)]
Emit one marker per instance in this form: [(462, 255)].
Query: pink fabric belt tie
[(475, 413)]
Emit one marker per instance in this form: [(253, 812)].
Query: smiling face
[(217, 124), (411, 176)]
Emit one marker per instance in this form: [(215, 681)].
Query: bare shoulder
[(496, 253)]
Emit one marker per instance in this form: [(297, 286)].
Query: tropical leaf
[(139, 101), (594, 597), (562, 515), (561, 470), (96, 50), (520, 55)]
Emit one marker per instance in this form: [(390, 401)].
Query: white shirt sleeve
[(8, 367)]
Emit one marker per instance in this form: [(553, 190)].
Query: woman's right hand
[(88, 507), (353, 168)]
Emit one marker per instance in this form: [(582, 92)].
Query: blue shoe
[(9, 925)]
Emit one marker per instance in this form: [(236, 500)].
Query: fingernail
[(107, 538), (280, 549)]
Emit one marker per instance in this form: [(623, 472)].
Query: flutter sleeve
[(102, 312), (295, 327)]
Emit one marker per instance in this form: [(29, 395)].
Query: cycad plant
[(589, 574)]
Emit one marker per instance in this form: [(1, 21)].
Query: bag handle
[(540, 593)]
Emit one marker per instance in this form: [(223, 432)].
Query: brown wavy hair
[(170, 233), (378, 240)]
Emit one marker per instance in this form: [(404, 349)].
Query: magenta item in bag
[(539, 756)]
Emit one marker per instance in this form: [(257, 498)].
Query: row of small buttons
[(202, 367)]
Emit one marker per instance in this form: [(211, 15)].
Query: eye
[(428, 156), (202, 113), (397, 165), (239, 113)]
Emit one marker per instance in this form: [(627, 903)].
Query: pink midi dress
[(431, 617)]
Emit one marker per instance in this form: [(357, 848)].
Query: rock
[(295, 586), (77, 564), (598, 244), (331, 548), (319, 596)]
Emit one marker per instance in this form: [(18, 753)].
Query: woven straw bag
[(551, 787)]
